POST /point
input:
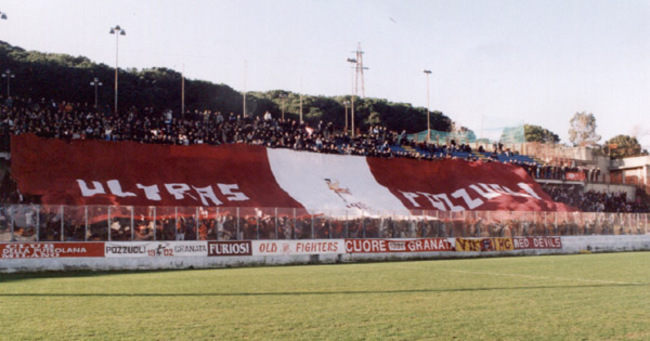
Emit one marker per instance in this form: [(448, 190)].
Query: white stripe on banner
[(331, 182)]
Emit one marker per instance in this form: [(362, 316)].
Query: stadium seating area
[(71, 121), (590, 201), (79, 121)]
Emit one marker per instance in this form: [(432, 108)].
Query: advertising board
[(51, 250)]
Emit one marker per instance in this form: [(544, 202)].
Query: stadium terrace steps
[(410, 149), (406, 149)]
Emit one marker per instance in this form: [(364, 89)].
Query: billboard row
[(270, 247)]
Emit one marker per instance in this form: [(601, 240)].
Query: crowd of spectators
[(561, 171), (70, 121), (79, 121), (8, 190), (592, 201)]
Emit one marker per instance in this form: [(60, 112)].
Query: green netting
[(502, 130), (513, 135), (444, 137)]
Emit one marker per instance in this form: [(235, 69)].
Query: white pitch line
[(543, 277)]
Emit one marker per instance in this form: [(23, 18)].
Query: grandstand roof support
[(354, 68), (428, 73), (117, 31)]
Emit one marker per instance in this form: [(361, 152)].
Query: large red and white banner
[(128, 173)]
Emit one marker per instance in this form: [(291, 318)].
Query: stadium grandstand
[(220, 173), (57, 155)]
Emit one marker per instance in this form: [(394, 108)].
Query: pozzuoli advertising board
[(156, 249)]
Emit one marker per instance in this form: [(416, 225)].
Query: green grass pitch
[(576, 297)]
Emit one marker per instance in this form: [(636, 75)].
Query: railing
[(128, 223)]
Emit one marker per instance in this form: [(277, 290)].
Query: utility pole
[(283, 98), (96, 83), (244, 105), (9, 75), (117, 31), (428, 73), (183, 92), (346, 103), (355, 68), (300, 100)]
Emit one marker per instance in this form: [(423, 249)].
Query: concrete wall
[(630, 162), (570, 245), (154, 263)]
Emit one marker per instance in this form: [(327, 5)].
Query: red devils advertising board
[(397, 245), (88, 172), (51, 250), (522, 243)]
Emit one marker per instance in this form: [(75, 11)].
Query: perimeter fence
[(135, 223)]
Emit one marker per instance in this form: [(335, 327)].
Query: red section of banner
[(87, 172), (455, 185), (575, 176), (51, 250), (523, 243), (397, 245)]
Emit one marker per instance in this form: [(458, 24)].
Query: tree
[(583, 129), (63, 77), (621, 146), (373, 119), (534, 133)]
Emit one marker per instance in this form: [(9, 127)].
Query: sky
[(530, 61)]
